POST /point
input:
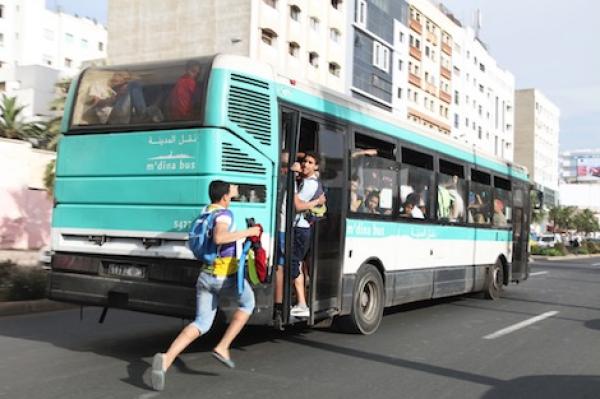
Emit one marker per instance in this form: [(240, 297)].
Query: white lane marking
[(595, 264), (537, 273), (520, 325)]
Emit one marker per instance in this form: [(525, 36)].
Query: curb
[(37, 306), (566, 257)]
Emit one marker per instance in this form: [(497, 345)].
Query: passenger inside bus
[(371, 204), (129, 103), (181, 99), (499, 219), (478, 206), (356, 198)]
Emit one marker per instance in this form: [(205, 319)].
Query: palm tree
[(12, 125)]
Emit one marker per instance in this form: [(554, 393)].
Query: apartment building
[(380, 56), (38, 46), (536, 140), (412, 58), (304, 40), (430, 67)]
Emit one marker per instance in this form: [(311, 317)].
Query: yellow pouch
[(225, 266)]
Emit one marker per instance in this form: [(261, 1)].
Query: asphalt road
[(451, 348)]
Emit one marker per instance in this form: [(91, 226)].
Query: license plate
[(126, 270)]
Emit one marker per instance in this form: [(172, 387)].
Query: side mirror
[(537, 199)]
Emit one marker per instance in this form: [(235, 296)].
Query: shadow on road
[(127, 336), (541, 386)]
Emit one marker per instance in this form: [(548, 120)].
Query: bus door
[(290, 120), (326, 257), (520, 233)]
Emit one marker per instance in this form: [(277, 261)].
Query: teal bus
[(411, 215)]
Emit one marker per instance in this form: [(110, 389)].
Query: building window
[(361, 13), (381, 56), (314, 23), (68, 62), (401, 37), (456, 97), (399, 65), (336, 4), (295, 13), (84, 43), (1, 11), (335, 35), (294, 49), (68, 38), (1, 39), (399, 92), (456, 121), (268, 36), (481, 67), (271, 3), (334, 69), (100, 46), (313, 59)]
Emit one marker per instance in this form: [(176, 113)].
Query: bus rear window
[(141, 95)]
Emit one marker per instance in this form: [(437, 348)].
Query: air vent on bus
[(249, 107), (235, 160)]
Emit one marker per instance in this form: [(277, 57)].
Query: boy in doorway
[(304, 200)]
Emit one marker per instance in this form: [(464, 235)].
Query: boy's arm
[(222, 235)]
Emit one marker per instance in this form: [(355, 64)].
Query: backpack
[(318, 212), (200, 239)]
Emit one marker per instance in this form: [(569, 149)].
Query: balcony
[(445, 72), (431, 89), (414, 79), (432, 38), (416, 26), (415, 53), (447, 49), (445, 97)]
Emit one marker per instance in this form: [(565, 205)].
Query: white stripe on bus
[(520, 325)]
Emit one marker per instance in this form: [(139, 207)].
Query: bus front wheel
[(367, 302), (495, 281)]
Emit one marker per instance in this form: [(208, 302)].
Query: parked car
[(547, 241)]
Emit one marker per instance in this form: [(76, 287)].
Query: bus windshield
[(141, 96)]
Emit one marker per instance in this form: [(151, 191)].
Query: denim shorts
[(209, 290), (299, 250)]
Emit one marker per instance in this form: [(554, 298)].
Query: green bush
[(591, 247), (22, 283), (536, 250), (583, 251), (562, 250)]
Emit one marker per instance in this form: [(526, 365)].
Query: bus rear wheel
[(495, 281), (367, 303)]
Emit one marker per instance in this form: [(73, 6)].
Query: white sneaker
[(300, 311)]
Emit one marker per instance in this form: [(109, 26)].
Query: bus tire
[(495, 281), (368, 301)]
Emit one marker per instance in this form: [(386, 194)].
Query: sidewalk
[(21, 258)]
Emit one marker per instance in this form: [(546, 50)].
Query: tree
[(562, 217), (586, 222), (12, 125)]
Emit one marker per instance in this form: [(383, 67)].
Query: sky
[(549, 45), (97, 9)]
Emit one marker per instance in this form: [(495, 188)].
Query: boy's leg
[(206, 310), (301, 243), (238, 321)]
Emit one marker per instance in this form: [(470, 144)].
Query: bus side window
[(502, 216), (480, 198), (451, 192), (372, 176), (416, 181)]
